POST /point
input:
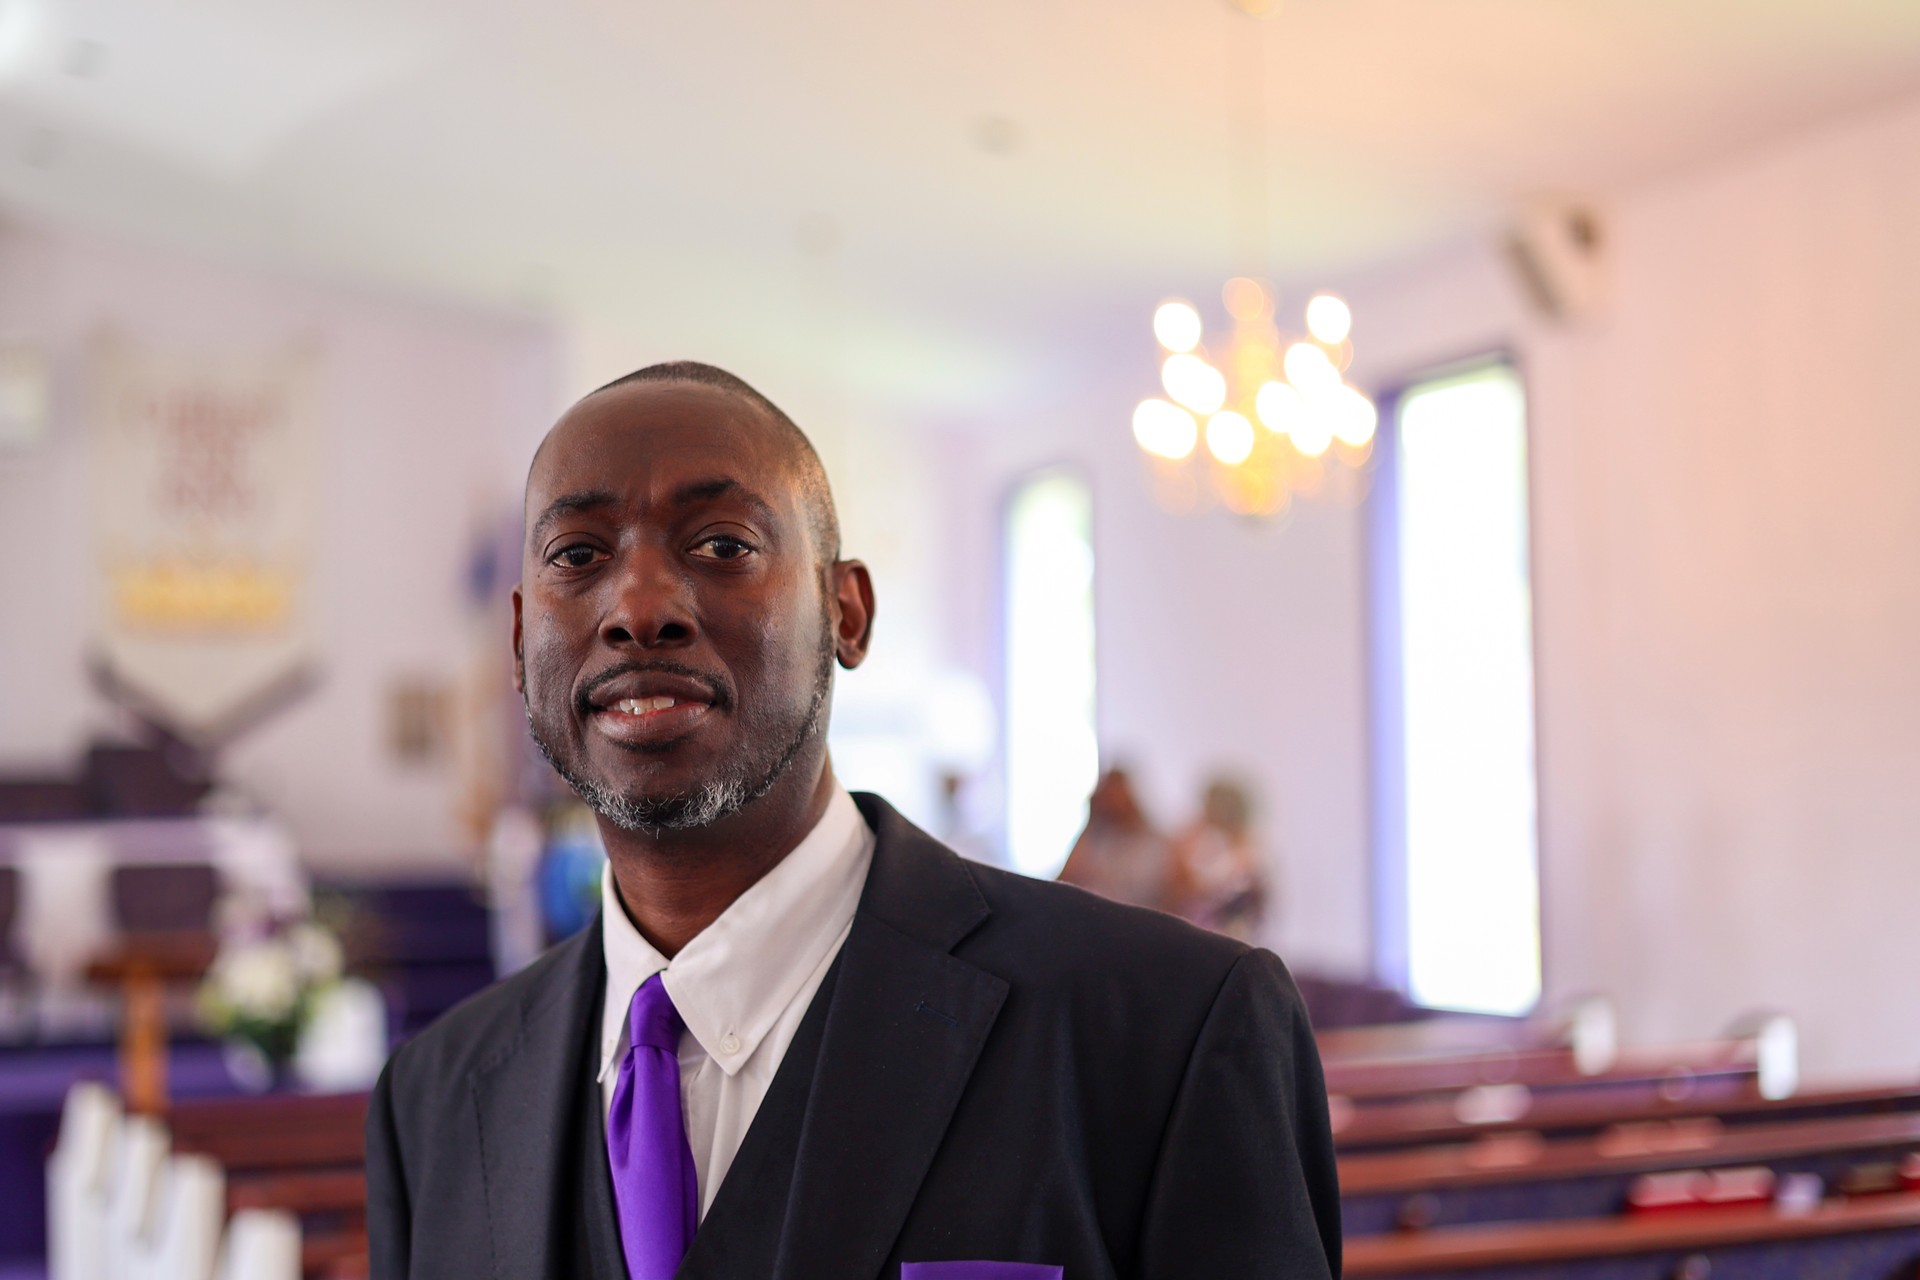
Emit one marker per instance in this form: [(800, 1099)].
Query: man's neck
[(674, 884)]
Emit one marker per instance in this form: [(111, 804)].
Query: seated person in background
[(802, 1038), (1217, 879), (1119, 854)]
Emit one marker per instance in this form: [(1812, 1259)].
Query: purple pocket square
[(980, 1271)]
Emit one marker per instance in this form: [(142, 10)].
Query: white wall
[(1727, 524), (1222, 645), (1729, 500), (1727, 529), (428, 414)]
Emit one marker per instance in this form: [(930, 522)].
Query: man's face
[(674, 630)]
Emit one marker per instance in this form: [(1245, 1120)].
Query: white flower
[(316, 953), (259, 979)]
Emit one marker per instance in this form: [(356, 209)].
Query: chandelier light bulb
[(1309, 370), (1313, 434), (1229, 437), (1164, 430), (1354, 417), (1329, 319), (1196, 384), (1246, 299), (1177, 325), (1279, 407)]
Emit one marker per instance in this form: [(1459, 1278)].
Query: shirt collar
[(732, 982)]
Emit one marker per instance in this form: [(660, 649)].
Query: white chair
[(262, 1244), (190, 1208), (119, 1207), (139, 1157), (79, 1180)]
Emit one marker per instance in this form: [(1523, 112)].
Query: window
[(1458, 911), (1052, 752)]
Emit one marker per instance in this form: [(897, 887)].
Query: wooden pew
[(302, 1153), (1871, 1238), (1423, 1121), (274, 1132), (339, 1256), (341, 1191), (1517, 1177), (1371, 1081), (1438, 1036)]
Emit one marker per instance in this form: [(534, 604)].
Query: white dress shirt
[(743, 984)]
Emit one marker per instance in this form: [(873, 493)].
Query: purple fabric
[(980, 1271), (655, 1189)]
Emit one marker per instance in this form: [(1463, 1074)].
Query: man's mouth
[(643, 706), (656, 721), (650, 707)]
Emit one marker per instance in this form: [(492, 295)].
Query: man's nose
[(651, 605)]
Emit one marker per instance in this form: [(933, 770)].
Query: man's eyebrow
[(568, 504), (699, 491)]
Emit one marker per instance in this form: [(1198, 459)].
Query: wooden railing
[(304, 1154), (1594, 1240)]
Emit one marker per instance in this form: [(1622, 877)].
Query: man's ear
[(853, 612), (519, 652)]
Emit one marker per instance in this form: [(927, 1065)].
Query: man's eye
[(577, 556), (721, 547)]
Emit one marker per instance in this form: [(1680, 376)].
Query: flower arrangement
[(263, 984)]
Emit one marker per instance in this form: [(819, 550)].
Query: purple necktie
[(655, 1189)]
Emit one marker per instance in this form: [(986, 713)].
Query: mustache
[(720, 691)]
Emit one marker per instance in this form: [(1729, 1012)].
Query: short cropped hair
[(815, 491)]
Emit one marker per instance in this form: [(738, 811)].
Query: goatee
[(740, 783)]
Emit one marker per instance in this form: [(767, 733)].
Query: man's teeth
[(641, 706)]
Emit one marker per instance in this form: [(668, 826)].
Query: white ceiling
[(931, 197)]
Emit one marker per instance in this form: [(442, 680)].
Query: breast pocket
[(981, 1271)]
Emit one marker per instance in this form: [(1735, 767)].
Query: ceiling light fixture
[(1311, 420), (1313, 427)]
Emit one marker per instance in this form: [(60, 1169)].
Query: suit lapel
[(740, 1236), (599, 1220), (524, 1100), (903, 1031)]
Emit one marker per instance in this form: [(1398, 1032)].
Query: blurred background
[(1444, 470)]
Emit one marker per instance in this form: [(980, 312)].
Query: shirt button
[(729, 1043)]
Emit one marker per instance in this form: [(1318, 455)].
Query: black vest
[(738, 1237)]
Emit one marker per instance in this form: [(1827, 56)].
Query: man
[(804, 1039)]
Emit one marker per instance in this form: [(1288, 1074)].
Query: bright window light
[(1466, 650), (1052, 753)]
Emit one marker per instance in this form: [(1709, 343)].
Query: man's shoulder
[(1041, 936), (1062, 935), (491, 1021), (1127, 991)]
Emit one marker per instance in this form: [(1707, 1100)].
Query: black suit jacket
[(998, 1068)]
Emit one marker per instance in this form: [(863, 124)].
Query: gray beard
[(716, 798), (651, 815)]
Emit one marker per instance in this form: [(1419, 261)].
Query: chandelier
[(1273, 410)]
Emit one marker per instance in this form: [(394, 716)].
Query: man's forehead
[(629, 433)]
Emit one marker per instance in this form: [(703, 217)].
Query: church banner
[(205, 484)]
